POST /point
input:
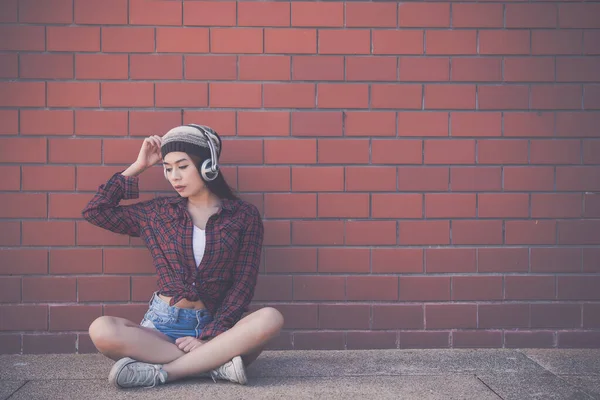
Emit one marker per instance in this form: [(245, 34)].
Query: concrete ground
[(377, 374)]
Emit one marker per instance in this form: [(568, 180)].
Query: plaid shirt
[(226, 277)]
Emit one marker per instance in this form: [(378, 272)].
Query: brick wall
[(428, 171)]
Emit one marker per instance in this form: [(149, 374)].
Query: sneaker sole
[(240, 372), (117, 368)]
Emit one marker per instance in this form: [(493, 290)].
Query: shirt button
[(194, 284)]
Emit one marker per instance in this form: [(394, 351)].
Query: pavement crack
[(489, 387), (19, 388)]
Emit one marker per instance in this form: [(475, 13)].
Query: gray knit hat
[(189, 139)]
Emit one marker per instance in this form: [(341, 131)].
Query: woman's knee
[(272, 318), (104, 332)]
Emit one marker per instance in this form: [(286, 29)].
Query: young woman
[(206, 245)]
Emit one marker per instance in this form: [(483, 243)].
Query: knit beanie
[(191, 140)]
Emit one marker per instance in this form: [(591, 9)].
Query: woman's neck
[(203, 200)]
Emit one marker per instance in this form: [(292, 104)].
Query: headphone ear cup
[(207, 173)]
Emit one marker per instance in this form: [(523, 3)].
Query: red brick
[(289, 95), (319, 288), (127, 94), (263, 123), (528, 124), (578, 16), (222, 121), (503, 97), (445, 96), (103, 288), (264, 179), (10, 122), (571, 69), (22, 261), (340, 260), (23, 38), (394, 42), (109, 12), (477, 15), (424, 288), (450, 205), (243, 152), (556, 205), (477, 232), (9, 10), (48, 233), (271, 68), (344, 316), (48, 178), (591, 205), (24, 318), (531, 16), (502, 315), (142, 288), (441, 316), (163, 66), (530, 232), (73, 94), (591, 42), (319, 68), (263, 14), (477, 339), (101, 66), (531, 69), (578, 232), (73, 317), (11, 178), (476, 124), (91, 235), (341, 41), (347, 151), (209, 13), (424, 69), (11, 289), (451, 42), (317, 233), (555, 151), (46, 122), (483, 288), (127, 261), (405, 96), (368, 233), (317, 14), (183, 40), (290, 205), (396, 260), (528, 178), (46, 66), (372, 123), (76, 261), (318, 340), (397, 205), (424, 15), (371, 288), (424, 233), (290, 260), (504, 42), (73, 38), (343, 205), (422, 123), (502, 151), (236, 40), (555, 315), (127, 39), (503, 205), (423, 179), (239, 95), (366, 15), (146, 123), (181, 94), (312, 123), (446, 260), (444, 151), (49, 344), (385, 151), (591, 315), (49, 289), (579, 340), (477, 69), (22, 94), (556, 260), (67, 205), (142, 12), (290, 41), (556, 42), (533, 339), (361, 178), (505, 259), (23, 150), (424, 339), (577, 124), (591, 97), (88, 122), (319, 179), (359, 68), (46, 11)]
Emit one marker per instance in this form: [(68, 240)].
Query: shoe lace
[(144, 375)]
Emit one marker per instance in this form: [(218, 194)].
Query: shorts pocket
[(157, 318)]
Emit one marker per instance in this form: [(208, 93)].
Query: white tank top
[(199, 244)]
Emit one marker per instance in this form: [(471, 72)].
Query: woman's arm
[(245, 274)]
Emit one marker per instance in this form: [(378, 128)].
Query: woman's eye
[(184, 167), (168, 169)]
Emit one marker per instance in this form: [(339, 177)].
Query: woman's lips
[(179, 188)]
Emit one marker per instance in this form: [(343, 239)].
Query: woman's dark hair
[(219, 185)]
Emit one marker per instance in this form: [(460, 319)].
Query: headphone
[(209, 170)]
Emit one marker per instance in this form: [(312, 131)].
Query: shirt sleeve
[(104, 211), (240, 295)]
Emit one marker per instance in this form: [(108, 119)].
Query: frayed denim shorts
[(173, 321)]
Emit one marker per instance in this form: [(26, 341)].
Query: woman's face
[(183, 174)]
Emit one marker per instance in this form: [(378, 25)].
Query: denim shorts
[(173, 321)]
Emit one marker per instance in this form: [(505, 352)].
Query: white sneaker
[(128, 373), (232, 371)]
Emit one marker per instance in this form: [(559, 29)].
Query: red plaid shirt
[(226, 277)]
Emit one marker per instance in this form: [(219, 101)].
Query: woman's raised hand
[(150, 152)]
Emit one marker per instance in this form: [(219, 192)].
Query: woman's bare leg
[(246, 338), (118, 337)]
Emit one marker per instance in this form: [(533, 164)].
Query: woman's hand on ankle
[(188, 343)]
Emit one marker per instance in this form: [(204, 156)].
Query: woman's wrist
[(134, 170)]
